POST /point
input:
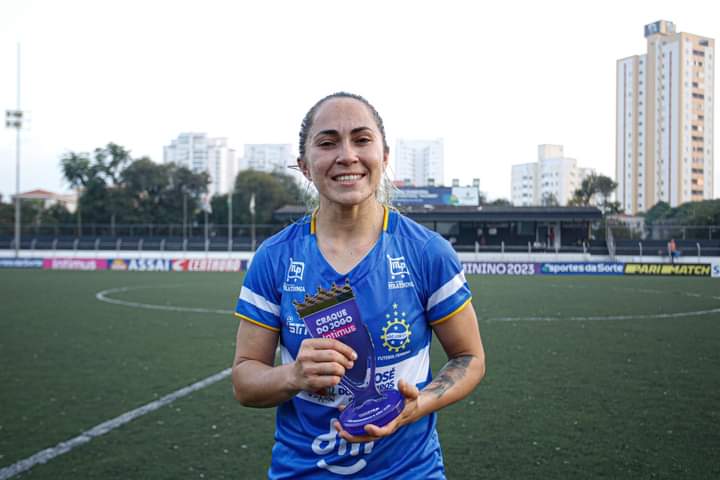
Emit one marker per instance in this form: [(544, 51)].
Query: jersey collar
[(386, 220)]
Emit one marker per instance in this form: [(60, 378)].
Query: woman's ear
[(304, 168)]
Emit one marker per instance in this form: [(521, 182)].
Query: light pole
[(184, 224), (252, 226), (13, 119), (230, 202)]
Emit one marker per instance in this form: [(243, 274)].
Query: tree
[(597, 188), (117, 189), (659, 211), (549, 200), (500, 202), (706, 212), (97, 178), (272, 191)]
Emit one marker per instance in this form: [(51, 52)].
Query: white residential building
[(664, 120), (419, 162), (222, 166), (200, 153), (267, 157), (552, 180)]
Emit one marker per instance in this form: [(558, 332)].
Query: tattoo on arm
[(450, 374)]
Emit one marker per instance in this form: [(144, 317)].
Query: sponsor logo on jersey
[(329, 443), (296, 326), (396, 332), (385, 379), (399, 273), (295, 273)]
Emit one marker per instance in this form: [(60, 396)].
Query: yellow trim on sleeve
[(452, 314), (386, 218), (255, 322)]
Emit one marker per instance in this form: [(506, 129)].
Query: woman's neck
[(346, 235), (341, 222)]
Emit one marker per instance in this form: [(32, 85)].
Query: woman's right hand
[(320, 364)]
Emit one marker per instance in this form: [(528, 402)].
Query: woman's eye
[(326, 143), (363, 140)]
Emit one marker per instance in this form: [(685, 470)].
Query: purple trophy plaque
[(334, 314)]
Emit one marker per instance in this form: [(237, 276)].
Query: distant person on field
[(672, 250)]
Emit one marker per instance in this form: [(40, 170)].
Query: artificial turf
[(587, 377)]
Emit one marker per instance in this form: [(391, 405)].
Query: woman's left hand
[(410, 413)]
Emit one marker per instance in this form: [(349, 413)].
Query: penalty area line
[(48, 454)]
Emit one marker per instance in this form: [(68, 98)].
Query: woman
[(408, 283)]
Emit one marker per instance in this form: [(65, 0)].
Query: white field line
[(48, 454), (103, 297), (609, 317)]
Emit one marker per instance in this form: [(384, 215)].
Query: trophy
[(334, 314)]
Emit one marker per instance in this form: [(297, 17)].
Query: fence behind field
[(608, 240)]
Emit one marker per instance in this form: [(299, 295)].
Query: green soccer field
[(587, 377)]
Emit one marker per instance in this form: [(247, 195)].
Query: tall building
[(271, 157), (221, 164), (202, 154), (419, 162), (664, 126), (552, 180), (268, 157)]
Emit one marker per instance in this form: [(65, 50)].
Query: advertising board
[(669, 269), (21, 263), (466, 196), (581, 268), (500, 268), (209, 265), (75, 264)]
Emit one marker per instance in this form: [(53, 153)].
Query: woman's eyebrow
[(336, 133)]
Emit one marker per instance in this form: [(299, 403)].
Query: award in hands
[(334, 314)]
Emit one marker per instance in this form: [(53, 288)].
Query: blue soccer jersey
[(409, 281)]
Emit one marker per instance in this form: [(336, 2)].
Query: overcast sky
[(492, 79)]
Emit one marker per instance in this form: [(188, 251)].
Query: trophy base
[(377, 411)]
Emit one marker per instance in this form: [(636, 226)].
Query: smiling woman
[(408, 285), (368, 135)]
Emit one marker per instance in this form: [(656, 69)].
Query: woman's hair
[(310, 118), (386, 187)]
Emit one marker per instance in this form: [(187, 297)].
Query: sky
[(492, 79)]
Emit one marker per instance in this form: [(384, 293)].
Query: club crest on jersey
[(396, 332), (399, 273), (295, 273)]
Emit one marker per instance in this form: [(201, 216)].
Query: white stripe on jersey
[(259, 301), (447, 290), (413, 370)]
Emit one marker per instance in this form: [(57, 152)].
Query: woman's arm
[(460, 337), (320, 364)]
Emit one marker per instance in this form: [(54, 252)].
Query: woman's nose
[(347, 153)]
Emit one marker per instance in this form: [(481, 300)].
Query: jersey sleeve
[(259, 300), (446, 290)]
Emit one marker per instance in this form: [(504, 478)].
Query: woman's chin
[(349, 199)]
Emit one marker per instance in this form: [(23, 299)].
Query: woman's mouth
[(348, 177)]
